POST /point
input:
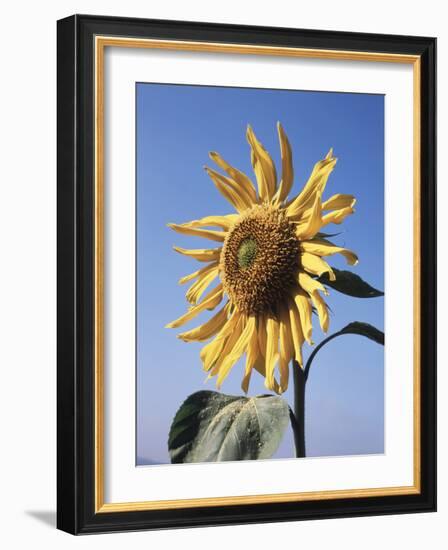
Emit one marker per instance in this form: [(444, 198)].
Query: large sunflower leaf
[(214, 427), (351, 284)]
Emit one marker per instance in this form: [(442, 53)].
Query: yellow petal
[(336, 202), (260, 365), (261, 331), (205, 233), (252, 356), (286, 348), (230, 343), (315, 184), (261, 368), (296, 331), (272, 334), (202, 254), (337, 216), (303, 304), (210, 352), (315, 265), (238, 177), (309, 284), (287, 166), (312, 225), (225, 222), (246, 378), (236, 352), (198, 288), (212, 299), (322, 310), (198, 273), (232, 192), (321, 247), (246, 195), (208, 329), (263, 166)]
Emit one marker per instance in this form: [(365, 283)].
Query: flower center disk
[(247, 253), (260, 260)]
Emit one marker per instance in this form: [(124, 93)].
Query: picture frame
[(82, 209)]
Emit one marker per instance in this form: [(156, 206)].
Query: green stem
[(306, 370), (298, 417)]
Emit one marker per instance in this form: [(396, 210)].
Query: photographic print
[(259, 274), (246, 274)]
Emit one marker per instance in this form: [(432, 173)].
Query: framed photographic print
[(246, 274)]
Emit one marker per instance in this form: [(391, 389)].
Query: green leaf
[(213, 427), (350, 284), (326, 235), (362, 329)]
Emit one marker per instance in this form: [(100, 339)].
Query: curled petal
[(211, 352), (337, 216), (260, 367), (261, 330), (322, 310), (312, 225), (263, 166), (225, 222), (202, 254), (252, 356), (296, 331), (208, 329), (233, 185), (198, 288), (315, 265), (321, 247), (205, 233), (309, 284), (272, 334), (315, 185), (336, 202), (287, 166), (197, 273), (230, 343), (302, 301), (237, 351), (212, 299), (226, 187), (286, 348), (238, 177)]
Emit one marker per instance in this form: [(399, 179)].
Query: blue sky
[(176, 128)]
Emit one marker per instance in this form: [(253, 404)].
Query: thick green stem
[(298, 418)]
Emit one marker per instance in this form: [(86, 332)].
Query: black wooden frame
[(75, 174)]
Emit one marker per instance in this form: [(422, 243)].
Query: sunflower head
[(268, 262), (259, 260)]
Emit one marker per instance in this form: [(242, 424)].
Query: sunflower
[(268, 263)]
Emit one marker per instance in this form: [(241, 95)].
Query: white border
[(123, 481)]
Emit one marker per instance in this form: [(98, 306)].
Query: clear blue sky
[(176, 128)]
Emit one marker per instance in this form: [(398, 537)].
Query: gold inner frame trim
[(101, 42)]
